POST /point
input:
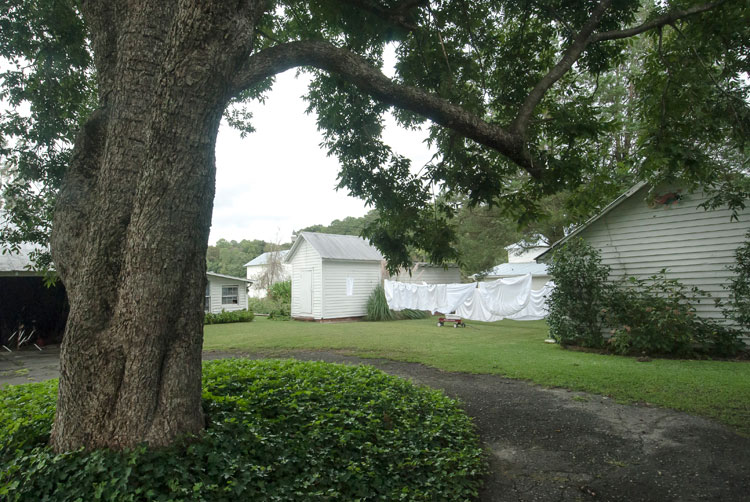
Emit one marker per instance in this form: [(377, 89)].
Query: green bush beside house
[(656, 316)]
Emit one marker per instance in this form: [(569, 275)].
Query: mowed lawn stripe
[(715, 389)]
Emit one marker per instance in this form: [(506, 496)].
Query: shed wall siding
[(307, 258), (215, 284), (430, 275), (694, 245), (366, 277)]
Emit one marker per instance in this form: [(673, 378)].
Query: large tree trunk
[(132, 221)]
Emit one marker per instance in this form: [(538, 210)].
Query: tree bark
[(132, 221)]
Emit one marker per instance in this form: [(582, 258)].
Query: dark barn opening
[(27, 304)]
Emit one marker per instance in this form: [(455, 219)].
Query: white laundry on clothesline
[(510, 298)]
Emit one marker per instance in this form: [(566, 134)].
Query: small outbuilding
[(224, 292), (521, 261), (27, 303), (332, 276), (646, 230)]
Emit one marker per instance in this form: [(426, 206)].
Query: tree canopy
[(114, 108), (524, 100)]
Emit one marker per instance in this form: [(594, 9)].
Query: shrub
[(377, 306), (580, 295), (260, 305), (658, 316), (228, 316), (411, 314), (738, 308), (277, 431), (377, 309), (277, 305), (281, 291)]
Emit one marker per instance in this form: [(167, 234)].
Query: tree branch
[(658, 22), (586, 37), (571, 55), (397, 15), (358, 71)]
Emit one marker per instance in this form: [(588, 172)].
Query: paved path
[(551, 444)]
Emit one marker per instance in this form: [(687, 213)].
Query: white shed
[(430, 274), (257, 267), (332, 275), (521, 262), (538, 271), (643, 232), (224, 292)]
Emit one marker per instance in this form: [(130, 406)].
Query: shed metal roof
[(337, 247), (263, 258), (511, 269), (222, 276)]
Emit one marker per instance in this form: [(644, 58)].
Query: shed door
[(306, 292)]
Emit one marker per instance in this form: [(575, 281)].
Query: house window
[(230, 295), (207, 299)]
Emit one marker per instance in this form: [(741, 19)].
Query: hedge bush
[(580, 296), (656, 316), (228, 316), (738, 307), (277, 431), (277, 305)]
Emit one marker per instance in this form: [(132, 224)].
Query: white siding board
[(430, 275), (215, 285), (694, 245), (337, 304), (306, 258)]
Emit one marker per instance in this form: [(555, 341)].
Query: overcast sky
[(278, 179)]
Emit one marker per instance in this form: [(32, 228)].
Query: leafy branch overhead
[(515, 94)]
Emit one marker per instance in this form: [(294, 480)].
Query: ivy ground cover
[(277, 431)]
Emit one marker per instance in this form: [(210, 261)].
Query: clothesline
[(510, 298)]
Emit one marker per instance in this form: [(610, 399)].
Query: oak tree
[(139, 88)]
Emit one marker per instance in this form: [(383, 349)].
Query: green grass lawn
[(716, 389)]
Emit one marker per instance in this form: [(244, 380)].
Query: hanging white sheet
[(475, 308), (443, 298), (510, 298), (537, 307), (505, 297)]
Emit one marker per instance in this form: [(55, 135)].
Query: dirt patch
[(551, 444)]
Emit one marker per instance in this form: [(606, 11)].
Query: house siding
[(695, 246), (215, 285), (306, 258), (430, 275), (366, 277)]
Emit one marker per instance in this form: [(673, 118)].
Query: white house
[(429, 273), (257, 267), (224, 292), (521, 262), (332, 275), (642, 232)]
